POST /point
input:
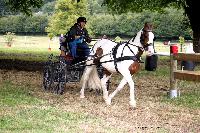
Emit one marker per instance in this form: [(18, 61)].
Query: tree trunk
[(196, 40), (191, 11)]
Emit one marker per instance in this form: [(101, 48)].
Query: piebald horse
[(123, 58)]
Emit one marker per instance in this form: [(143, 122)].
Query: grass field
[(37, 47), (22, 112), (34, 48), (25, 107), (32, 43), (42, 43)]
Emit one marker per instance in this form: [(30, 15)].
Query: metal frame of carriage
[(58, 71)]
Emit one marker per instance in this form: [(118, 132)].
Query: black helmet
[(81, 19)]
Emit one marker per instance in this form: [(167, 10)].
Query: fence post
[(173, 67)]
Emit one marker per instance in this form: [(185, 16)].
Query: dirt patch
[(151, 114), (10, 64)]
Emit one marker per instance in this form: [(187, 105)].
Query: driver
[(78, 36)]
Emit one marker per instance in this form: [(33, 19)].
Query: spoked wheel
[(47, 76), (60, 78), (60, 87)]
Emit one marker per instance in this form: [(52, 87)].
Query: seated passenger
[(78, 37), (63, 45)]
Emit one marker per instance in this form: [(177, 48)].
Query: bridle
[(142, 39)]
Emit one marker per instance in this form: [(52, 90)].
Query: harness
[(122, 58), (135, 57)]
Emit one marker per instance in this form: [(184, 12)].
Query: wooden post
[(173, 81), (173, 67)]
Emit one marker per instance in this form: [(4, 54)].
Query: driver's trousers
[(80, 44)]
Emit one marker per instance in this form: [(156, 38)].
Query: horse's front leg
[(120, 87), (84, 80)]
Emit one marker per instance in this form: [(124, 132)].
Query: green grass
[(190, 100), (26, 55), (189, 91), (22, 112), (162, 69), (11, 95), (30, 48), (36, 48), (46, 119)]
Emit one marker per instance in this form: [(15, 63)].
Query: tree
[(190, 8), (66, 13), (48, 7), (24, 6)]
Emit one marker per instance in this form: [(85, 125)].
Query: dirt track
[(151, 114), (10, 64)]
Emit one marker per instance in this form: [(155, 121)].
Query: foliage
[(165, 25), (9, 38), (123, 6), (96, 7), (117, 39), (48, 7), (24, 6), (4, 9), (23, 24), (181, 40), (50, 35), (189, 7), (66, 13), (171, 23)]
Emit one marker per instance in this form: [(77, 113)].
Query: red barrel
[(173, 49)]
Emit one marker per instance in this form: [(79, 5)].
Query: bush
[(9, 38)]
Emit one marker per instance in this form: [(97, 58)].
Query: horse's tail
[(93, 80)]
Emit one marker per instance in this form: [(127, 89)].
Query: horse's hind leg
[(129, 79), (126, 78), (104, 85), (84, 79), (120, 87)]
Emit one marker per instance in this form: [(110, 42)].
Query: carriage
[(60, 70)]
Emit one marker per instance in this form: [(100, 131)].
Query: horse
[(123, 58)]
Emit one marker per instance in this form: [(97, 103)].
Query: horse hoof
[(132, 108), (132, 104), (105, 97), (81, 96)]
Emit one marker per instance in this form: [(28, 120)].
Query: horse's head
[(147, 36), (144, 37)]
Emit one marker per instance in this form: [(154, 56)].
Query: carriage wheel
[(60, 87), (60, 78), (47, 77)]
